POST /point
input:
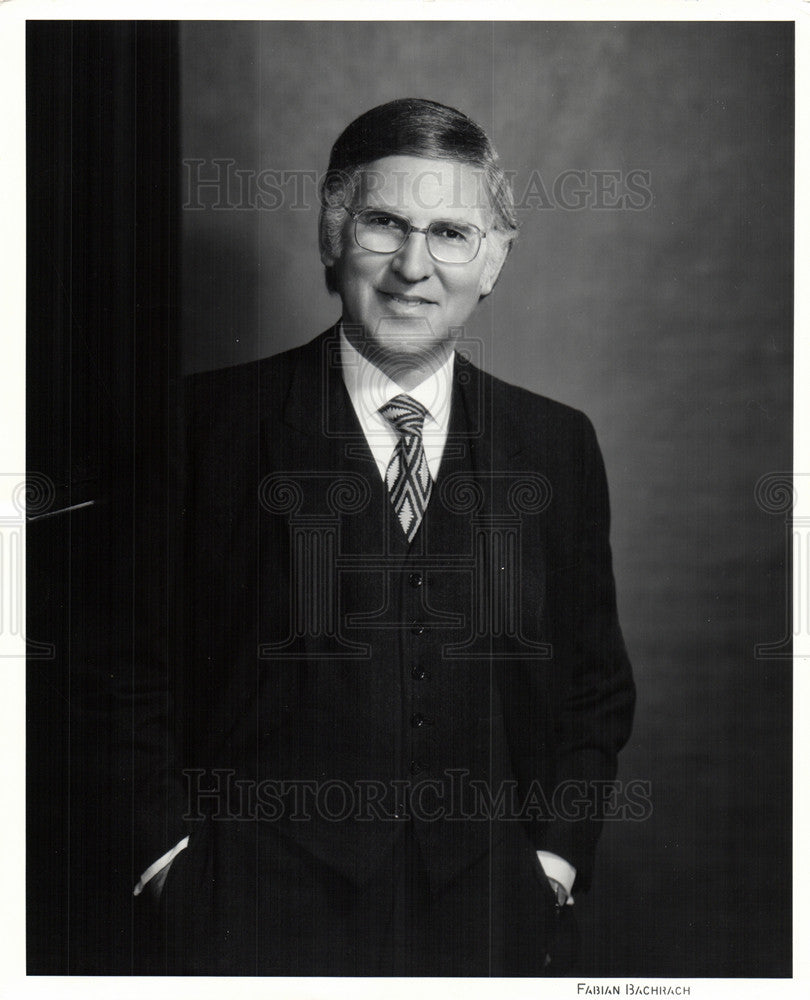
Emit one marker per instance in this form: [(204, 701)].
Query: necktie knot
[(405, 415)]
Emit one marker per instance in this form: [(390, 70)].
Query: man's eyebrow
[(380, 208), (404, 215)]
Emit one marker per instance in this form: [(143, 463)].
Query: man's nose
[(412, 262)]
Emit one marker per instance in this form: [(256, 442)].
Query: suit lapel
[(318, 408), (469, 449)]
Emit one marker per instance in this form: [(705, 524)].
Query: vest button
[(416, 767), (415, 579), (417, 629), (419, 674), (417, 720)]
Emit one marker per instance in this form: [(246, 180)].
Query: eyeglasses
[(447, 242)]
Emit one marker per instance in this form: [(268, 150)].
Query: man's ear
[(328, 255), (497, 251)]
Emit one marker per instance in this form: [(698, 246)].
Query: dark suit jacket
[(292, 627)]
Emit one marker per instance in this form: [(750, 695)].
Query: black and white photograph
[(412, 580)]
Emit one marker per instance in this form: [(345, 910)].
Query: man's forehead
[(411, 182)]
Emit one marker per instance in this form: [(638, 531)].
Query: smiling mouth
[(407, 300)]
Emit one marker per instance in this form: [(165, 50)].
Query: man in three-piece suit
[(397, 682)]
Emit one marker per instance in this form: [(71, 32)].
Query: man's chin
[(399, 345), (404, 329), (397, 360), (411, 337)]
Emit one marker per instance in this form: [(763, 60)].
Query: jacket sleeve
[(594, 693), (149, 754)]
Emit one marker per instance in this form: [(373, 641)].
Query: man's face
[(406, 302)]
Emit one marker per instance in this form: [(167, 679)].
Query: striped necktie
[(407, 477)]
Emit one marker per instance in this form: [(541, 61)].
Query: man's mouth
[(407, 300)]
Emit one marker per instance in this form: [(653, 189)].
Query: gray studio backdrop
[(657, 299)]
